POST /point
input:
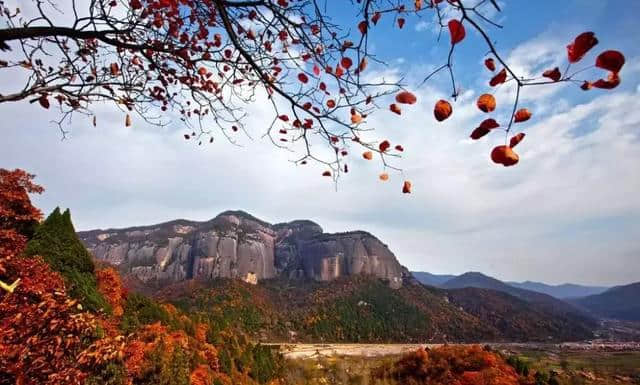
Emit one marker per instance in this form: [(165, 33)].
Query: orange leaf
[(442, 110), (339, 71), (356, 118), (384, 177), (522, 115), (394, 108), (504, 155), (368, 155), (517, 138), (346, 62), (580, 46), (485, 127), (490, 64), (456, 30), (500, 78), (384, 145), (406, 187), (610, 60), (489, 124), (406, 97), (486, 103), (553, 74)]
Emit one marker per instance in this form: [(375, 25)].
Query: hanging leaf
[(504, 155), (611, 61), (394, 108), (406, 187), (384, 177), (580, 46), (376, 16), (127, 121), (368, 155), (331, 103), (613, 80), (326, 173), (442, 110), (356, 117), (500, 78), (490, 64), (517, 138), (406, 97), (486, 103), (400, 22), (522, 115), (303, 78), (384, 145), (456, 30), (346, 62), (553, 74), (362, 26), (44, 101)]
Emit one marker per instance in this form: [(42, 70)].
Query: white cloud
[(568, 206)]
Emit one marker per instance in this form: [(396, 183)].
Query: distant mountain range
[(563, 291), (620, 302)]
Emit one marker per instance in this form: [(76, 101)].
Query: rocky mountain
[(620, 302), (566, 290), (235, 244)]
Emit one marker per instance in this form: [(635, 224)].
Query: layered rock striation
[(237, 245)]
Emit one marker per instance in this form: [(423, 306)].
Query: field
[(575, 364)]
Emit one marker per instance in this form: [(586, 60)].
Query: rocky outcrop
[(237, 245)]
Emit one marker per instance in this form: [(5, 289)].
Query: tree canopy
[(204, 61)]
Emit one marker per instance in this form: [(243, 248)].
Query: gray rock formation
[(237, 245)]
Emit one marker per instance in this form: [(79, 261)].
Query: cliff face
[(236, 245)]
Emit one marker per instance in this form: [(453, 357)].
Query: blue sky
[(568, 212)]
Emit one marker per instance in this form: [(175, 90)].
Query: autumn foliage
[(47, 337), (206, 60), (451, 365)]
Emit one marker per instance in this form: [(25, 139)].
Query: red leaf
[(326, 173), (517, 138), (456, 30), (500, 78), (442, 110), (490, 64), (384, 145), (399, 148), (580, 46), (362, 26), (44, 101), (284, 118), (303, 78), (485, 127), (489, 124), (406, 97), (346, 62), (522, 115), (400, 22), (612, 82), (553, 74), (316, 70), (331, 103), (406, 187), (394, 108), (376, 17), (611, 61)]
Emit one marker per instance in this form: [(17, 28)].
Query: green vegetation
[(56, 241)]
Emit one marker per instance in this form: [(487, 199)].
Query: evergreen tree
[(56, 241)]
